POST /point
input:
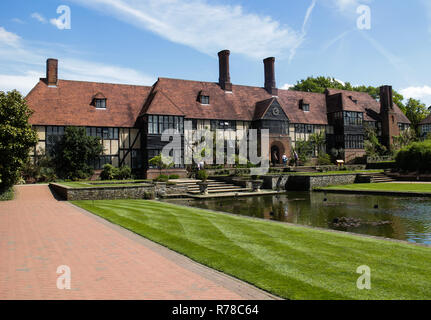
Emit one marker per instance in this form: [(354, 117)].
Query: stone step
[(224, 190), (213, 186)]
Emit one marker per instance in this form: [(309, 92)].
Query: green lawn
[(394, 187), (7, 195), (332, 172), (290, 261)]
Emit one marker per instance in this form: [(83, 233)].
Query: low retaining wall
[(146, 191), (306, 183)]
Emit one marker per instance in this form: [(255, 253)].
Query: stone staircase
[(213, 187), (380, 178)]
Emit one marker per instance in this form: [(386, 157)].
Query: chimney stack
[(52, 72), (386, 100), (270, 84), (390, 127), (224, 75)]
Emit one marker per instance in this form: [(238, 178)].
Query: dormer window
[(100, 103), (354, 100), (304, 106), (205, 100), (204, 97)]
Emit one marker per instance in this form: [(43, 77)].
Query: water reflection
[(406, 218)]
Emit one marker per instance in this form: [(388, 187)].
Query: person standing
[(284, 159)]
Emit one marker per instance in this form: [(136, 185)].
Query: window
[(299, 128), (103, 133), (53, 135), (205, 99), (306, 107), (158, 124), (222, 125), (353, 118), (354, 141), (100, 103)]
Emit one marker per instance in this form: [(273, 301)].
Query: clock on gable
[(276, 111)]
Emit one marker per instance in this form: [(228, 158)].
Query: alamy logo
[(364, 20), (64, 280), (218, 147), (63, 22), (364, 281)]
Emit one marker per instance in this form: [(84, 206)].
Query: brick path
[(39, 233)]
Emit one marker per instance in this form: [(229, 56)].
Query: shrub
[(162, 178), (109, 172), (74, 153), (415, 157), (149, 195), (202, 175), (39, 170), (324, 159), (124, 173), (174, 176)]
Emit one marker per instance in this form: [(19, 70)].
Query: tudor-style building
[(130, 119)]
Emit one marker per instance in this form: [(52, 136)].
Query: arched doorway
[(275, 155)]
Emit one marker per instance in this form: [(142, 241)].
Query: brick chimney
[(224, 75), (52, 72), (389, 118), (270, 84)]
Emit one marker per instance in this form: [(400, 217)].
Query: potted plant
[(203, 184)]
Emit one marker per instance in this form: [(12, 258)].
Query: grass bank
[(390, 187), (7, 195), (290, 261), (108, 183)]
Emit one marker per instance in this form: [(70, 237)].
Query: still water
[(391, 217)]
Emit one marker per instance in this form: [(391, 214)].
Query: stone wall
[(306, 183), (146, 191)]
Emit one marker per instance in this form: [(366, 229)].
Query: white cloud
[(38, 17), (22, 66), (421, 93), (22, 83), (205, 27), (56, 22), (287, 86), (9, 38), (17, 20)]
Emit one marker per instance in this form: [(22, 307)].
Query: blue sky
[(136, 41)]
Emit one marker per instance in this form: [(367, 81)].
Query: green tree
[(318, 140), (162, 163), (320, 84), (16, 137), (416, 112), (372, 145), (74, 153), (304, 149)]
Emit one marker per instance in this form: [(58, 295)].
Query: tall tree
[(16, 137), (319, 84), (416, 112)]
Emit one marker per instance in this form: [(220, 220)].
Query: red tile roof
[(70, 104), (427, 120), (238, 105), (366, 104)]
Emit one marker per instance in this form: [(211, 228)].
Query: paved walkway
[(38, 234)]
